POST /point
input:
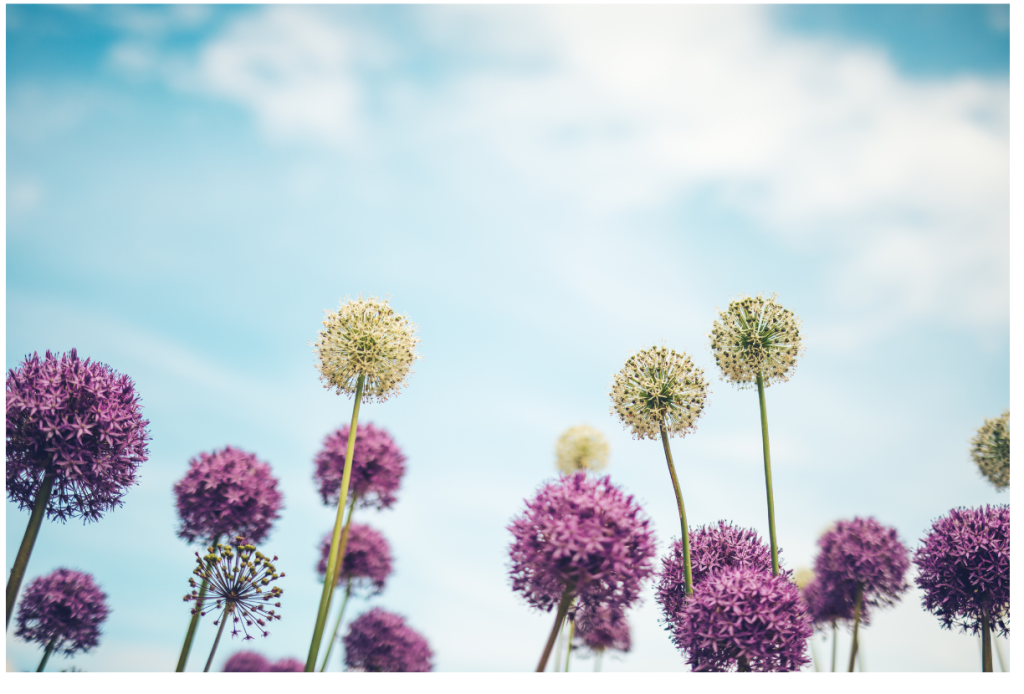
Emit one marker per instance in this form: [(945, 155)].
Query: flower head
[(756, 335), (227, 493), (367, 561), (583, 534), (377, 467), (238, 576), (380, 641), (247, 661), (964, 568), (990, 450), (581, 448), (659, 387), (365, 337), (288, 665), (601, 627), (79, 421), (827, 603), (65, 607), (862, 553)]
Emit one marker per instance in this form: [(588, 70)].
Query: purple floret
[(67, 607), (742, 615), (79, 421), (964, 568), (367, 559), (288, 665), (862, 552), (227, 493), (377, 467), (247, 661), (601, 628), (380, 641)]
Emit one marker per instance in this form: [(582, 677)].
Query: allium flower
[(366, 337), (226, 493), (756, 335), (745, 618), (380, 641), (367, 561), (659, 387), (990, 449), (65, 608), (79, 421), (377, 467), (827, 604), (583, 534), (581, 448), (288, 665), (964, 568), (602, 627), (247, 661), (863, 553)]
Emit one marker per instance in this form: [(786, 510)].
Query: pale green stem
[(814, 655), (228, 614), (597, 661), (687, 574), (856, 624), (27, 543), (835, 642), (563, 608), (999, 652), (46, 655), (568, 653), (186, 647), (341, 561), (558, 648), (337, 625), (768, 475)]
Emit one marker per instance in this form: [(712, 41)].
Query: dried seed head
[(990, 449), (756, 335), (659, 387), (581, 448)]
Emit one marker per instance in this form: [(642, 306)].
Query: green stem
[(682, 512), (27, 543), (999, 652), (563, 607), (186, 647), (597, 661), (228, 614), (814, 655), (986, 642), (337, 624), (568, 651), (768, 474), (856, 624), (834, 644), (333, 559), (558, 648), (742, 665), (46, 655)]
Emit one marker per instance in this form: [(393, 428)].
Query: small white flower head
[(581, 448), (990, 449), (756, 335), (366, 336), (659, 387), (802, 577)]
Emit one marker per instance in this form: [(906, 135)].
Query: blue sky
[(543, 191)]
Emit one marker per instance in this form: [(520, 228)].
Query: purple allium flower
[(380, 641), (864, 553), (227, 493), (81, 422), (744, 618), (367, 559), (66, 607), (288, 665), (964, 568), (585, 534), (602, 627), (247, 661), (826, 604), (377, 467)]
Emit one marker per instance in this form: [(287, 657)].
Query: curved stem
[(186, 647), (337, 624), (856, 624), (46, 655), (223, 620), (768, 474), (563, 607), (682, 512), (986, 642), (27, 543)]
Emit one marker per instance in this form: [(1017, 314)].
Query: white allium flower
[(581, 448), (659, 387), (802, 577), (990, 449), (756, 335)]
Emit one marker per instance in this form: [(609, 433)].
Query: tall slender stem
[(228, 614), (856, 624), (814, 655), (27, 543), (186, 647), (688, 575), (337, 624), (341, 554), (986, 642), (558, 648), (332, 559), (999, 652), (46, 655), (768, 474), (563, 607), (597, 661), (835, 642), (568, 651)]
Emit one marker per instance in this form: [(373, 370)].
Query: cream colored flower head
[(756, 335), (990, 449), (802, 577), (659, 387), (581, 448), (366, 336)]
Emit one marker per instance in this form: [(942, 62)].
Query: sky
[(543, 191)]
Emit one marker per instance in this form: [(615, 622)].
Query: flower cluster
[(659, 387), (367, 561), (602, 627), (380, 641), (990, 450), (377, 467), (65, 608), (581, 448), (861, 554), (79, 422), (755, 336), (246, 661)]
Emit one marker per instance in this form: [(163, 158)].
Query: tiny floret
[(380, 641), (659, 387), (581, 448), (756, 335), (990, 450), (65, 607)]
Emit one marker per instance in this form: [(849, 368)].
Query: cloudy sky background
[(543, 191)]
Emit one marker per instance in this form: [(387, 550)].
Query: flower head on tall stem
[(602, 627), (990, 450), (378, 465), (380, 641), (756, 335), (581, 448), (247, 661), (659, 387), (862, 552), (65, 608), (367, 562)]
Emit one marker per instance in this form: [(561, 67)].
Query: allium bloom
[(602, 627), (377, 467), (66, 607), (583, 534), (366, 337), (247, 661), (288, 665), (964, 568), (990, 450), (866, 554), (745, 618), (756, 335), (79, 421), (827, 604), (227, 493), (581, 448), (659, 387), (367, 561), (380, 641)]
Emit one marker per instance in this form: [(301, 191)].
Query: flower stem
[(186, 647), (341, 563), (768, 474), (814, 655), (856, 624), (568, 651), (337, 624), (223, 620), (986, 642), (682, 512), (333, 560), (834, 644), (742, 665), (563, 607), (46, 654), (597, 661), (999, 652), (27, 543), (558, 648)]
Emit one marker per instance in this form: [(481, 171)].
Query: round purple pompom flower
[(288, 665), (964, 568), (827, 604), (377, 467), (746, 619), (247, 661), (367, 559), (601, 628), (862, 554), (66, 607), (585, 535), (79, 421), (380, 641), (227, 493)]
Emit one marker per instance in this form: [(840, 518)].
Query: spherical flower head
[(602, 627), (964, 568), (585, 534), (247, 661), (659, 387), (745, 613), (863, 553), (756, 335), (66, 607), (79, 421), (827, 603), (380, 641), (367, 561), (377, 467), (288, 665), (366, 337), (581, 448), (990, 450)]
